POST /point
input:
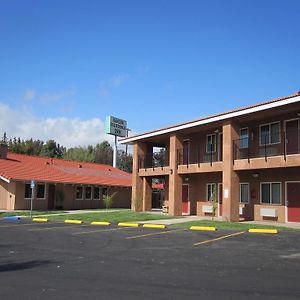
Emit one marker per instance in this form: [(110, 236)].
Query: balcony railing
[(153, 160), (288, 144), (200, 154)]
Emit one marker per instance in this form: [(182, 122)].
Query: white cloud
[(48, 98), (69, 132), (112, 83), (29, 94)]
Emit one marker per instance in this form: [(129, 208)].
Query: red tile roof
[(43, 169)]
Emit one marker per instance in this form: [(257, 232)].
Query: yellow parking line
[(219, 238), (56, 227), (151, 234), (101, 230)]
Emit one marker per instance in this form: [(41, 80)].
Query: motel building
[(59, 183), (243, 164)]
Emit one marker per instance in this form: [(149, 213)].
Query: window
[(210, 191), (244, 138), (244, 193), (96, 192), (271, 192), (270, 133), (211, 143), (40, 191), (79, 192), (88, 192), (28, 191)]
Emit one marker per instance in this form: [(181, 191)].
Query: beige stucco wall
[(12, 197)]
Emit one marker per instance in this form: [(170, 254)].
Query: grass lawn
[(27, 213), (229, 225), (113, 217)]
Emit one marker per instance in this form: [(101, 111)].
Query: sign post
[(116, 127), (32, 185)]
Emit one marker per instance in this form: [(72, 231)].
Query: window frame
[(91, 197), (215, 143), (244, 128), (27, 183), (41, 184), (93, 191), (215, 187), (248, 200), (270, 133), (270, 190), (82, 198)]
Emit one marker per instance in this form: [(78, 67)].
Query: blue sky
[(66, 65)]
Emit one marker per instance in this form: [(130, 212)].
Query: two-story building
[(246, 160)]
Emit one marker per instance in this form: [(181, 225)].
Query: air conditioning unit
[(268, 212)]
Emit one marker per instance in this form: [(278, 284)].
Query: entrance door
[(293, 201), (292, 140), (185, 199), (51, 196), (220, 198)]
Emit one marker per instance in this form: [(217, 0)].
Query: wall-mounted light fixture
[(255, 175), (171, 171)]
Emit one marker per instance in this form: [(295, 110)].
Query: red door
[(293, 201), (292, 141), (185, 199)]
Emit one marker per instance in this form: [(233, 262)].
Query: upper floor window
[(270, 133), (211, 143), (244, 138)]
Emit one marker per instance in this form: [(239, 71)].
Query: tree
[(104, 153), (124, 162), (51, 149), (85, 154)]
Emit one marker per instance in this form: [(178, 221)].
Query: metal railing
[(208, 153), (153, 160), (288, 143)]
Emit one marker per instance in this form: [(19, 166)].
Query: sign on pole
[(32, 185), (116, 126)]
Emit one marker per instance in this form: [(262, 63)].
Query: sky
[(66, 65)]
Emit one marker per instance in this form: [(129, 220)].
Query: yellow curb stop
[(40, 220), (206, 228), (154, 226), (253, 230), (129, 224), (100, 223), (73, 221)]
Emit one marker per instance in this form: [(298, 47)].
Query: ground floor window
[(244, 193), (40, 191), (211, 191), (28, 191), (88, 193), (96, 192), (79, 192), (270, 192)]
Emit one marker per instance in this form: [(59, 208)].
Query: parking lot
[(60, 261)]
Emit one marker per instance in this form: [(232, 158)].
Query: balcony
[(252, 154), (201, 158), (156, 163)]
